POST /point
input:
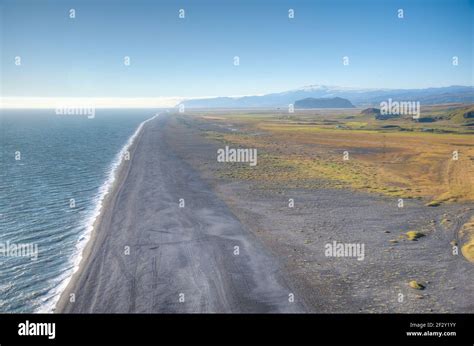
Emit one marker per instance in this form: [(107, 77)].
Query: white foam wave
[(50, 301)]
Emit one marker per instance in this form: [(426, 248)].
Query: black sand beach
[(190, 250), (149, 255)]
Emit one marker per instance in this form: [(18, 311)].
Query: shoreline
[(118, 176), (189, 252), (146, 252)]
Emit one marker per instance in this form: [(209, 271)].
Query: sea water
[(55, 170)]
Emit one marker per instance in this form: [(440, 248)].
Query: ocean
[(55, 171)]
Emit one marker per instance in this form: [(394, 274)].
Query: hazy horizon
[(137, 102)]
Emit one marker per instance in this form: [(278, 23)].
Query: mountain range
[(357, 96)]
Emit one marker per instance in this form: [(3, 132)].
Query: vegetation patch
[(416, 285), (414, 235), (467, 232), (306, 150)]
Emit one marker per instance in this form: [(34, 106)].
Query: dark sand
[(190, 250), (174, 252), (297, 236)]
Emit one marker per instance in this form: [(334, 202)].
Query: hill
[(462, 115), (335, 102), (371, 111)]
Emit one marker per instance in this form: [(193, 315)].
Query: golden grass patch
[(397, 163), (467, 232)]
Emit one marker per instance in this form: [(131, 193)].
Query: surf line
[(104, 190)]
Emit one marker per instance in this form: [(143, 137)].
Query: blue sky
[(192, 57)]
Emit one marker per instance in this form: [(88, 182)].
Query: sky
[(194, 57)]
